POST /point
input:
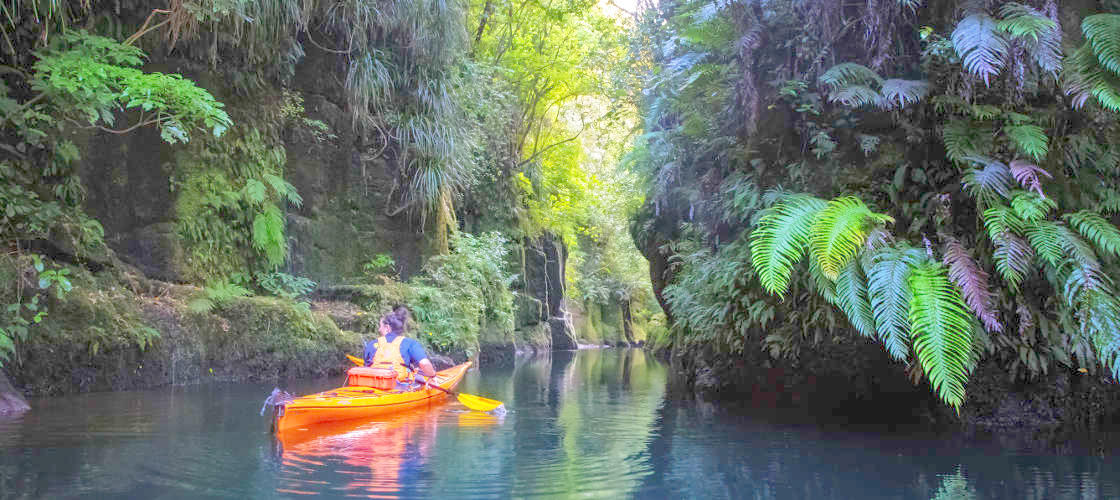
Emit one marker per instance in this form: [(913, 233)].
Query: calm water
[(594, 424)]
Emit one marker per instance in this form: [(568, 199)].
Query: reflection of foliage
[(955, 486)]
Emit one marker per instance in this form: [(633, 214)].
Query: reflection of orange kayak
[(353, 402)]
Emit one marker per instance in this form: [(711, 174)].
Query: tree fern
[(1097, 229), (1028, 175), (840, 231), (1103, 33), (781, 236), (980, 45), (1012, 258), (851, 297), (1031, 207), (889, 295), (897, 94), (1029, 139), (990, 183), (973, 283), (941, 331)]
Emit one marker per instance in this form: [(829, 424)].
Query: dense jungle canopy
[(947, 168)]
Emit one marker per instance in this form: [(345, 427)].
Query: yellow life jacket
[(388, 355)]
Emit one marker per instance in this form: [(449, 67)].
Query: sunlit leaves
[(839, 232), (889, 293), (780, 238), (941, 330)]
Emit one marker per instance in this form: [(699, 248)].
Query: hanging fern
[(941, 330), (1103, 33), (856, 96), (780, 238), (989, 184), (888, 272), (897, 94), (1029, 139), (980, 45), (268, 235), (973, 282), (1012, 258), (1040, 34), (1028, 175), (851, 297), (1096, 229), (1085, 77), (840, 231), (1001, 219), (1047, 240)]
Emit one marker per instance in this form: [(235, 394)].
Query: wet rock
[(563, 336), (11, 401)]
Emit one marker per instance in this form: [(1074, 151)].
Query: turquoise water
[(592, 424)]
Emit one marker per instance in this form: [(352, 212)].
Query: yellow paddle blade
[(356, 360), (478, 403)]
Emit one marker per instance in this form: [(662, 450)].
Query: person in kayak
[(394, 350)]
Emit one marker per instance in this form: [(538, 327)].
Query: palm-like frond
[(780, 238), (1097, 229), (1001, 219), (1084, 77), (1047, 240), (1040, 34), (1103, 33), (856, 96), (889, 293), (851, 296), (973, 283), (980, 45), (1099, 311), (990, 183), (1031, 207), (898, 94), (268, 235), (1029, 140), (1013, 259), (840, 231), (964, 139), (848, 74), (1027, 174), (941, 331)]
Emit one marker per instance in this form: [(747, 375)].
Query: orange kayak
[(355, 402)]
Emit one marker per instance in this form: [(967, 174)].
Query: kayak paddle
[(476, 403)]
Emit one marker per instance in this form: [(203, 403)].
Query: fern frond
[(1103, 33), (781, 236), (1031, 207), (284, 188), (268, 235), (985, 111), (821, 284), (848, 74), (990, 183), (1001, 219), (1046, 239), (898, 94), (963, 139), (1099, 312), (1085, 77), (1012, 258), (254, 192), (889, 294), (941, 331), (1028, 175), (851, 297), (1096, 229), (980, 45), (1021, 21), (1078, 251), (840, 231), (967, 275), (856, 96), (1029, 140)]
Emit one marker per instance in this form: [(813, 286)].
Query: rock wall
[(543, 282)]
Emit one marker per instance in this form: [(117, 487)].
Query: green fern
[(851, 296), (1001, 219), (1085, 77), (1103, 33), (268, 235), (216, 294), (897, 94), (888, 272), (848, 74), (1040, 34), (856, 96), (1030, 207), (1096, 229), (965, 139), (1047, 240), (840, 231), (1012, 258), (980, 45), (1029, 140), (991, 183), (780, 238), (941, 329)]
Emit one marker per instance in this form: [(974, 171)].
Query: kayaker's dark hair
[(396, 325), (401, 311)]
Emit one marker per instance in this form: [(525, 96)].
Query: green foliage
[(381, 263), (852, 298), (941, 330), (1029, 139), (1092, 70), (23, 307), (839, 232), (980, 46), (1096, 229), (782, 234), (285, 285), (888, 275), (216, 294)]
